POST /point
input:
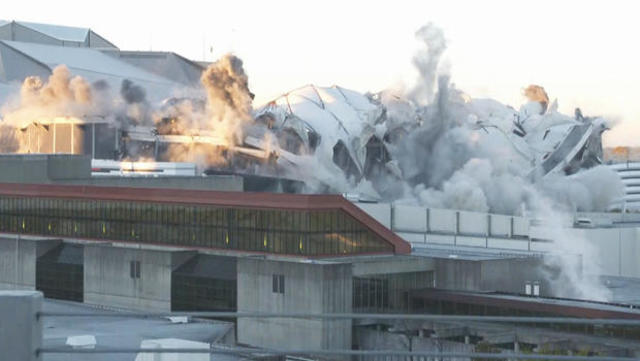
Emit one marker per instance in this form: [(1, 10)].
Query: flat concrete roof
[(120, 332)]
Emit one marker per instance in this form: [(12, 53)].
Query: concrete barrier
[(20, 328), (380, 211), (442, 220), (473, 223), (409, 219), (500, 226), (520, 226)]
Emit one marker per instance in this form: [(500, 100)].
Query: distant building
[(48, 34), (28, 49), (626, 162)]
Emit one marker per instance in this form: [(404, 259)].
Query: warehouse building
[(28, 49)]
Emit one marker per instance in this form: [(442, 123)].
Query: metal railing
[(355, 316), (328, 354), (336, 353)]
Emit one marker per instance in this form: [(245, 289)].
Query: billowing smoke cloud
[(61, 94), (132, 93), (228, 95), (426, 62), (222, 119), (137, 111), (573, 263), (64, 95), (462, 156)]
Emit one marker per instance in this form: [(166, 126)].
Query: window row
[(177, 214), (348, 237)]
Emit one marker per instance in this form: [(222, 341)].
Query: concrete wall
[(615, 251), (511, 275), (309, 288), (43, 168), (473, 223), (24, 169), (18, 258), (107, 279), (76, 170), (500, 225), (458, 274), (606, 251), (409, 219), (17, 264), (20, 329), (442, 220), (423, 226), (380, 211), (611, 250), (391, 265)]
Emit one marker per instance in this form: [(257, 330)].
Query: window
[(134, 269), (278, 283)]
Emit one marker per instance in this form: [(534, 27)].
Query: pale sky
[(585, 53)]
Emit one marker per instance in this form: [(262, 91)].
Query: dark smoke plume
[(227, 87), (132, 93)]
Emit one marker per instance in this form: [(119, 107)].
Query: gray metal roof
[(60, 32), (94, 65), (167, 64)]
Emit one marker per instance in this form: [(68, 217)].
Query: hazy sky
[(584, 53)]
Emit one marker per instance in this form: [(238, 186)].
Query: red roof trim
[(215, 198)]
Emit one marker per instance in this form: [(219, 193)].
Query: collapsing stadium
[(432, 146), (331, 139)]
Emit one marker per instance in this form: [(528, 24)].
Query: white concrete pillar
[(20, 328)]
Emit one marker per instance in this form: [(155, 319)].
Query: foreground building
[(145, 243)]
